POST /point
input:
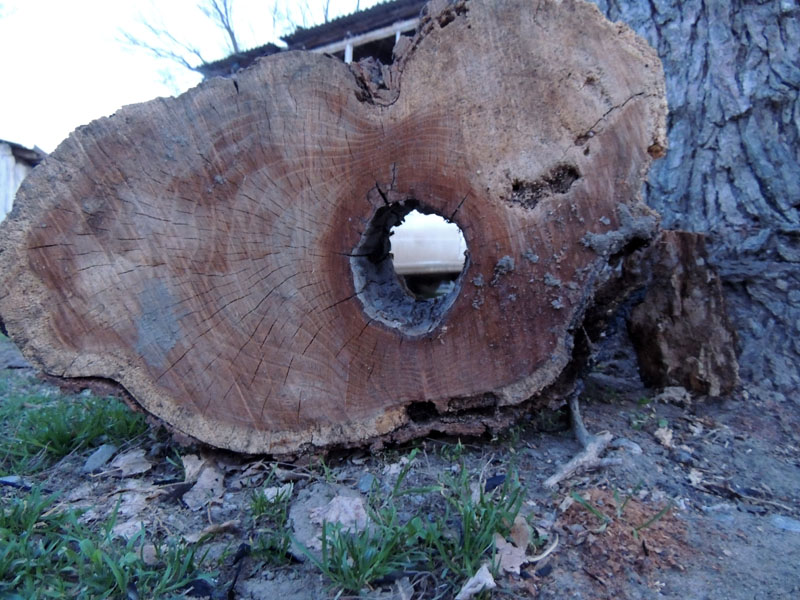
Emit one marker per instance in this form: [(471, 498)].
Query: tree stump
[(223, 255)]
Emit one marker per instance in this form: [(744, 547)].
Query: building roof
[(230, 64), (353, 24), (380, 15), (29, 156)]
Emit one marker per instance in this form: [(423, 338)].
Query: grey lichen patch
[(558, 303), (631, 228), (158, 328), (551, 280), (478, 299), (504, 266), (531, 256)]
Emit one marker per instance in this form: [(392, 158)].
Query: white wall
[(11, 175), (427, 245)]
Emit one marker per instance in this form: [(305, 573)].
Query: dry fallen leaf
[(695, 477), (227, 526), (278, 492), (395, 468), (258, 467), (209, 487), (696, 429), (482, 580), (475, 492), (511, 557), (521, 532), (664, 435), (128, 529), (405, 590), (131, 463), (674, 395), (149, 555), (132, 509), (192, 465), (348, 511), (133, 501)]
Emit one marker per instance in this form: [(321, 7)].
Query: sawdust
[(634, 538)]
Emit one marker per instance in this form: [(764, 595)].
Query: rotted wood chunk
[(223, 255), (681, 330)]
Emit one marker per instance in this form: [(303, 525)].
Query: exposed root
[(593, 445)]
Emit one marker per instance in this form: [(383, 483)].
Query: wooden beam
[(395, 29)]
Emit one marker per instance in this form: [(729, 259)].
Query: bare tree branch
[(220, 13), (163, 51), (161, 42)]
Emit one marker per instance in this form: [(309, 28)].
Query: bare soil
[(729, 470)]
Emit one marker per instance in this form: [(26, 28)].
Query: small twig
[(545, 554), (21, 484), (578, 428), (594, 576), (482, 475), (593, 445), (728, 491)]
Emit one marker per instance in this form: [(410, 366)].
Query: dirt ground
[(726, 470)]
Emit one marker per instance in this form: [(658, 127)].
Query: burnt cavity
[(421, 412), (384, 294), (558, 181)]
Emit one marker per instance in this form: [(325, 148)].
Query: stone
[(365, 483), (785, 523), (98, 458)]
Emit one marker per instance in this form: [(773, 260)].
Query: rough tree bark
[(223, 255), (733, 169)]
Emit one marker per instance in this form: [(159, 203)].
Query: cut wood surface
[(222, 255)]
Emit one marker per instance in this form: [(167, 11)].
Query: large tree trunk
[(733, 169), (223, 255)]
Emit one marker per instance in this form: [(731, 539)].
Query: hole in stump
[(428, 253), (557, 181), (407, 267), (420, 412)]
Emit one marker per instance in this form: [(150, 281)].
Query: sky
[(63, 64)]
